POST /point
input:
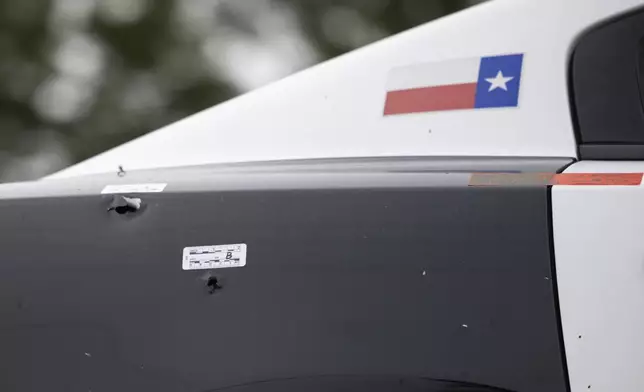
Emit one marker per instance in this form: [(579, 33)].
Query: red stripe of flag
[(430, 99)]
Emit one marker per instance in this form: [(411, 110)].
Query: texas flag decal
[(476, 83)]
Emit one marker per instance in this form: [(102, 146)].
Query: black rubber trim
[(571, 102), (608, 120), (611, 152), (605, 81)]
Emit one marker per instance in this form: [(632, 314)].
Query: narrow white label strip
[(133, 188), (214, 256)]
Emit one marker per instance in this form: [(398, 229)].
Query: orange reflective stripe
[(518, 179), (510, 179), (598, 179)]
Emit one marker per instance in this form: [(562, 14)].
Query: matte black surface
[(606, 83), (427, 281), (612, 152)]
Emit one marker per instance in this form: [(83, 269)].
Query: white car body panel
[(599, 253), (336, 109)]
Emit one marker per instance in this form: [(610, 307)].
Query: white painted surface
[(434, 74), (335, 109), (134, 188), (599, 254)]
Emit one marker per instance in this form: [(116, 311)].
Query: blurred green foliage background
[(78, 77)]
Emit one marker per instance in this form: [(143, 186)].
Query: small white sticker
[(214, 256), (133, 188)]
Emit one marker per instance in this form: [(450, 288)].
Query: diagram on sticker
[(214, 256)]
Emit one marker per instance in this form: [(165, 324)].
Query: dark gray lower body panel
[(441, 282)]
